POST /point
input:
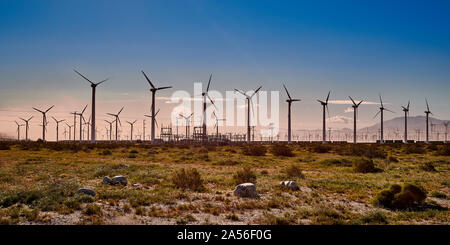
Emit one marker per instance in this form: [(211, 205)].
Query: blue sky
[(359, 48)]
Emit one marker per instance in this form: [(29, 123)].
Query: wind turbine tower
[(26, 127), (116, 116), (381, 112), (289, 101), (427, 113), (325, 106), (355, 112), (406, 110), (131, 128), (249, 102), (57, 128), (93, 86), (153, 90), (44, 120)]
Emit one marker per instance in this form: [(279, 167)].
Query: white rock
[(290, 184), (119, 180), (86, 191), (246, 190)]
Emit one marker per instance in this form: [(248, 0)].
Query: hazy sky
[(358, 48)]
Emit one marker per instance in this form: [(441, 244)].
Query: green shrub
[(105, 152), (254, 150), (377, 218), (246, 175), (397, 197), (336, 162), (363, 165), (281, 150), (227, 162), (438, 194), (187, 179)]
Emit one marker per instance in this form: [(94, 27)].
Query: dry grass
[(38, 183)]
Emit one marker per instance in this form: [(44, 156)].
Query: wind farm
[(232, 115)]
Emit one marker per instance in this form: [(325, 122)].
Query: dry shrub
[(293, 171), (281, 150), (188, 179), (414, 149), (397, 197), (363, 165), (254, 150), (246, 175), (428, 166), (362, 150), (321, 148), (443, 150)]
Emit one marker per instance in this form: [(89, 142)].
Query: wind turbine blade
[(156, 122), (352, 100), (84, 109), (389, 110), (111, 114), (157, 112), (251, 104), (408, 105), (377, 114), (147, 116), (241, 92), (321, 102), (29, 118), (381, 101), (101, 82), (212, 102), (148, 80), (428, 108), (49, 108), (214, 113), (289, 96), (328, 96), (83, 76), (360, 103), (164, 87), (256, 91), (134, 121), (191, 115), (120, 111), (209, 83), (54, 119), (38, 110), (328, 111)]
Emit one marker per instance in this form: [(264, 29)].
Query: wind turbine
[(57, 128), (204, 96), (18, 129), (325, 106), (381, 112), (26, 127), (44, 120), (289, 101), (217, 123), (446, 130), (117, 120), (406, 110), (187, 118), (88, 124), (153, 117), (70, 130), (355, 111), (249, 101), (427, 113), (110, 129), (153, 90), (131, 127), (93, 86)]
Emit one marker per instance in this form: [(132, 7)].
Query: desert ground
[(194, 184)]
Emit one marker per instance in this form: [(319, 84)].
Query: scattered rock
[(106, 181), (122, 180), (246, 190), (124, 165), (289, 184), (86, 191), (137, 185)]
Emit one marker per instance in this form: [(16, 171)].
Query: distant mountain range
[(414, 123)]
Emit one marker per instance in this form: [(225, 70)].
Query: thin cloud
[(340, 120)]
